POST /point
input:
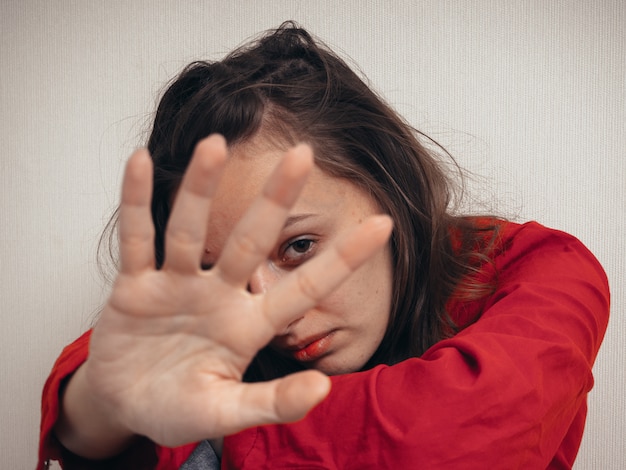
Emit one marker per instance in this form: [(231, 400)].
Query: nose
[(263, 277)]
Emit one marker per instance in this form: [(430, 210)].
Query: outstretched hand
[(169, 351)]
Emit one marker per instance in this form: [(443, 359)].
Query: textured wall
[(528, 95)]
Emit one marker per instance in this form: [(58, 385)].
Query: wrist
[(86, 426)]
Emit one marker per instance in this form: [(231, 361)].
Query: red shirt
[(508, 391)]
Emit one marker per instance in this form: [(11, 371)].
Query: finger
[(255, 234), (136, 231), (305, 287), (186, 229)]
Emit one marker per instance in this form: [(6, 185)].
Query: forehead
[(244, 175), (246, 171)]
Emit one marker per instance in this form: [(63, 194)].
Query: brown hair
[(293, 88)]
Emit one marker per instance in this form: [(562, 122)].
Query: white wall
[(530, 94)]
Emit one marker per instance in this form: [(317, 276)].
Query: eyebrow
[(294, 219)]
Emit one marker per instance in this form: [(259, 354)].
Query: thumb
[(282, 400), (298, 393)]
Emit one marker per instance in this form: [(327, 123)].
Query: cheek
[(375, 282), (365, 297)]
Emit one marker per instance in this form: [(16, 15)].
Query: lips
[(312, 348)]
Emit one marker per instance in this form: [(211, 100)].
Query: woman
[(450, 341)]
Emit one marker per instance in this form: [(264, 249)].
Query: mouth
[(312, 348)]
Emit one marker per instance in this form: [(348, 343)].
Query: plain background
[(529, 95)]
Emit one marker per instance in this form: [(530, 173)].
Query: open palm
[(171, 346)]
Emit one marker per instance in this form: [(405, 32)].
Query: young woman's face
[(341, 333)]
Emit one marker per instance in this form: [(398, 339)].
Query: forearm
[(85, 427)]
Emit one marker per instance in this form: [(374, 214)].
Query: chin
[(331, 367)]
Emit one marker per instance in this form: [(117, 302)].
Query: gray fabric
[(202, 458)]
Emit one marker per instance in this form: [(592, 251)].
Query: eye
[(298, 251)]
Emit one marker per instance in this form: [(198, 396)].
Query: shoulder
[(536, 252), (534, 268)]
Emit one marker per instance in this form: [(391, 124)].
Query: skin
[(351, 321), (171, 345)]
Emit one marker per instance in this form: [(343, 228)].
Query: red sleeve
[(509, 391), (71, 358), (143, 455)]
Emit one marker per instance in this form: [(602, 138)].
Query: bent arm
[(507, 392)]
